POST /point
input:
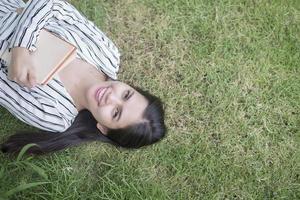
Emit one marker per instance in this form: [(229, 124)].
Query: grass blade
[(1, 172), (23, 187), (37, 169), (24, 149)]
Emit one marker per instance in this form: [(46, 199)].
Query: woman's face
[(115, 105)]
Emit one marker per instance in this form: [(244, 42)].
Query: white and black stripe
[(31, 108), (49, 107)]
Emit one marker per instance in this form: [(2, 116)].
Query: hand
[(22, 68)]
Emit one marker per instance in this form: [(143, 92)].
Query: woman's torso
[(92, 45)]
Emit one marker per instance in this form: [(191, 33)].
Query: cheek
[(103, 115)]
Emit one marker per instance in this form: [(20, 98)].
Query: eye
[(115, 113), (127, 95)]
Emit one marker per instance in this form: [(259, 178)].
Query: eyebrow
[(121, 110)]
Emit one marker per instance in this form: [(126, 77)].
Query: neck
[(77, 78)]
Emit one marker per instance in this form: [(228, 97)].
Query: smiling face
[(115, 105)]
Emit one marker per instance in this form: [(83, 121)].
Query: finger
[(32, 78), (13, 73), (10, 73), (22, 79)]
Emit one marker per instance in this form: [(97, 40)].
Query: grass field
[(229, 74)]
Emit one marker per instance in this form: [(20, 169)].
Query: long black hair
[(84, 129)]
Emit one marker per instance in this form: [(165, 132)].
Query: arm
[(30, 22), (32, 107)]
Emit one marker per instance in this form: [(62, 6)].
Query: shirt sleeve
[(93, 46), (30, 22), (32, 108)]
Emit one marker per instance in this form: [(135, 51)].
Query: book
[(52, 54)]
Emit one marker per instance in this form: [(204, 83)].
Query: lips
[(100, 94)]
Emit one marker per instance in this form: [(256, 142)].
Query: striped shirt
[(49, 107)]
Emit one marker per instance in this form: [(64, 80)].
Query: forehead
[(133, 109)]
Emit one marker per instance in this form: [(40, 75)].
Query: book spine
[(59, 67)]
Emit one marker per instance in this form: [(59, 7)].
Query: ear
[(102, 128)]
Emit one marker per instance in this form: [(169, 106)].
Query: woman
[(82, 103)]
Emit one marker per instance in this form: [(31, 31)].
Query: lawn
[(229, 75)]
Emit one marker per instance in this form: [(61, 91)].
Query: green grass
[(229, 74)]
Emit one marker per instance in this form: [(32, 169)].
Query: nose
[(113, 98)]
